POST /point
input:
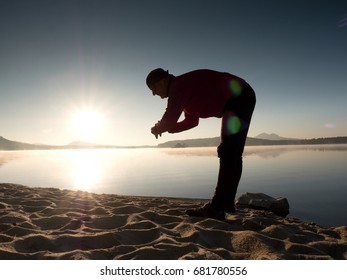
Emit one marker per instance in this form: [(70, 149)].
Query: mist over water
[(313, 178)]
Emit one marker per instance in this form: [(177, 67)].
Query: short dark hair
[(156, 75)]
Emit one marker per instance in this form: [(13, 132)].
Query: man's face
[(160, 88)]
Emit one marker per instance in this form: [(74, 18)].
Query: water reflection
[(7, 156), (261, 151), (85, 168), (313, 178), (208, 151), (276, 151)]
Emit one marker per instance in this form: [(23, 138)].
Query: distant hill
[(273, 136), (214, 142), (9, 145), (209, 142), (203, 142)]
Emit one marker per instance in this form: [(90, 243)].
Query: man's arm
[(189, 122)]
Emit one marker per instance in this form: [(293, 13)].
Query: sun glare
[(87, 124), (86, 168)]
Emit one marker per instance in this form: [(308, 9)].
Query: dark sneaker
[(229, 209), (207, 211)]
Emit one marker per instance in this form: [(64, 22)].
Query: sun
[(87, 124)]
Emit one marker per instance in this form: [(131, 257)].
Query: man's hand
[(155, 132)]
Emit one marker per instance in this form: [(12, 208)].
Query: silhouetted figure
[(204, 94)]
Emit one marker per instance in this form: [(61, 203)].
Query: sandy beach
[(46, 223)]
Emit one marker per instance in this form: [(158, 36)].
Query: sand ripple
[(38, 223)]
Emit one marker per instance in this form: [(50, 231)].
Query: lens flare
[(330, 125), (235, 87), (234, 125), (231, 124)]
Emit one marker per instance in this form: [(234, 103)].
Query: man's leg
[(235, 125), (230, 171)]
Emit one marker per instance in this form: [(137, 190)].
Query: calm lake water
[(313, 178)]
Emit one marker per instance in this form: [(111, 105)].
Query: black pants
[(235, 125)]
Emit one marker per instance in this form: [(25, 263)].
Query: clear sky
[(75, 70)]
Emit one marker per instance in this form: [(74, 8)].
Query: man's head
[(157, 81)]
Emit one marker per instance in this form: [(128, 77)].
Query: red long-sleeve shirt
[(199, 94)]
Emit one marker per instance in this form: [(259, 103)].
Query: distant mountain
[(273, 137), (8, 145), (203, 142), (214, 142), (261, 139), (210, 142)]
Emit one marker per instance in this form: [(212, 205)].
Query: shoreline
[(49, 223)]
